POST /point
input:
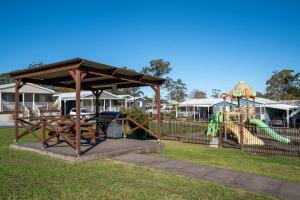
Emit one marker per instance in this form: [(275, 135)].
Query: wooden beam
[(17, 99), (45, 82), (102, 82), (45, 72), (67, 78), (73, 75), (97, 94), (108, 73), (83, 75), (158, 111), (78, 125), (141, 77), (154, 88), (115, 71)]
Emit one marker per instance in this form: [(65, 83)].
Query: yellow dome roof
[(242, 86), (241, 90)]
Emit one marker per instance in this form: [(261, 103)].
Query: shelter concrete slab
[(105, 149)]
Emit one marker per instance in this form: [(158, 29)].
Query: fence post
[(43, 133), (125, 128), (241, 133), (180, 131), (183, 131), (220, 134)]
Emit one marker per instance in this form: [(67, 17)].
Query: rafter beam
[(108, 73), (45, 72), (45, 82), (68, 78)]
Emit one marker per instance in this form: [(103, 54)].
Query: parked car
[(84, 113)]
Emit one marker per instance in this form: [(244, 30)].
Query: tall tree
[(134, 91), (283, 85), (160, 68), (259, 94), (35, 64), (216, 93), (157, 67), (5, 78), (197, 94), (177, 90)]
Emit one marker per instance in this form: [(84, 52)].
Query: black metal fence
[(269, 140)]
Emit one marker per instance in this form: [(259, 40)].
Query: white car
[(84, 113)]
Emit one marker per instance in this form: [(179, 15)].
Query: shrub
[(140, 117)]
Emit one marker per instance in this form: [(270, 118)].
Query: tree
[(5, 78), (283, 85), (259, 94), (148, 100), (177, 90), (216, 93), (197, 94), (158, 68), (134, 91), (35, 64)]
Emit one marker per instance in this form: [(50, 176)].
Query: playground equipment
[(242, 115), (266, 129)]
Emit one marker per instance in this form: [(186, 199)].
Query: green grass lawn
[(282, 167), (27, 175)]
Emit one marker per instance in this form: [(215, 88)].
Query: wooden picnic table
[(67, 129)]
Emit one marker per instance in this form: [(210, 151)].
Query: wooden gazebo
[(81, 74)]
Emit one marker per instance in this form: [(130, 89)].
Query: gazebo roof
[(97, 75)]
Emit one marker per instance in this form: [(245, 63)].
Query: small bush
[(140, 117)]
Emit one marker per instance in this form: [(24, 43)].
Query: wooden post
[(123, 128), (97, 94), (17, 98), (180, 131), (0, 101), (224, 119), (78, 125), (241, 133), (43, 132), (97, 103), (158, 111)]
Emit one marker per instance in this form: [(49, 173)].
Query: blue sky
[(210, 44)]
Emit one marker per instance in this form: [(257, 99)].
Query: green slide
[(269, 131), (213, 125)]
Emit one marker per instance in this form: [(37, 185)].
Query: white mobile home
[(108, 101), (267, 110), (32, 97)]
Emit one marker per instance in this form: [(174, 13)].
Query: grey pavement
[(6, 121), (236, 179)]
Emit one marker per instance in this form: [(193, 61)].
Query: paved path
[(231, 178)]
